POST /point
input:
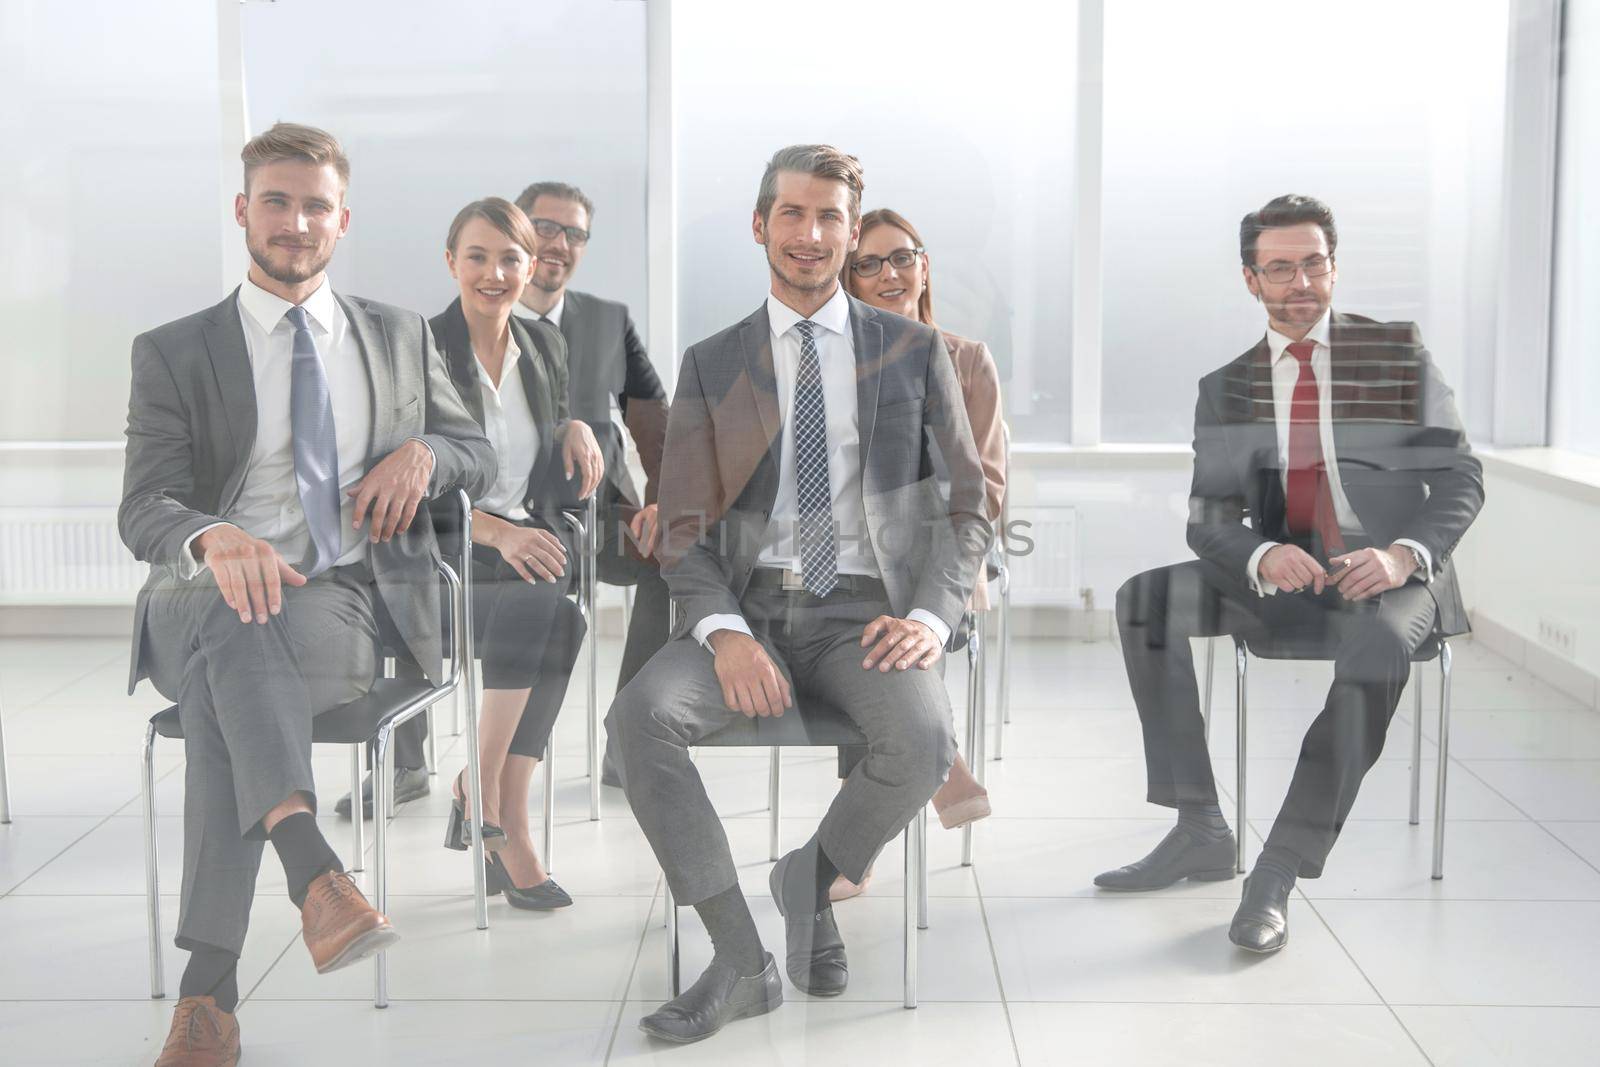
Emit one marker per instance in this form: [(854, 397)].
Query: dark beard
[(277, 274)]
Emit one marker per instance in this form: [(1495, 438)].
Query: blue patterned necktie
[(819, 557), (316, 447)]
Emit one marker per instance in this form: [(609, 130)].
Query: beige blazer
[(980, 389)]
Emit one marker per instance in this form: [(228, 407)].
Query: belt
[(784, 580)]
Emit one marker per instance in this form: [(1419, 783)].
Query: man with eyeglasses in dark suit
[(613, 387), (1332, 482)]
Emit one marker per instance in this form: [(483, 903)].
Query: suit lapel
[(755, 336), (866, 333), (230, 362), (373, 341), (535, 375)]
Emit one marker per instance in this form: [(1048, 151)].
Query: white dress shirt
[(1285, 375), (269, 505), (836, 357), (509, 426)]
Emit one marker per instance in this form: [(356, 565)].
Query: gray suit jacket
[(720, 470), (192, 425), (1404, 460), (606, 359)]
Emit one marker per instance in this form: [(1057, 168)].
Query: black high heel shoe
[(546, 896), (458, 831)]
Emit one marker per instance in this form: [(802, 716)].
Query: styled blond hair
[(290, 140)]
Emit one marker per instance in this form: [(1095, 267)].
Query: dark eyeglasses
[(900, 259), (1279, 272), (549, 228)]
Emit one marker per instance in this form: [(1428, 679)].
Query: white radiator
[(1044, 573), (65, 555)]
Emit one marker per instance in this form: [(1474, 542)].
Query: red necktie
[(1309, 499)]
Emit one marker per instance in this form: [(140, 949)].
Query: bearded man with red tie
[(1332, 482)]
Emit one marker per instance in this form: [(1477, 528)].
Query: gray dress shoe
[(1262, 922), (717, 998), (815, 958), (410, 783), (1182, 854)]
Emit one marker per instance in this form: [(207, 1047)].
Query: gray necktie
[(819, 557), (316, 447)]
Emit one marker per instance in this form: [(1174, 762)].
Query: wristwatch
[(1422, 565)]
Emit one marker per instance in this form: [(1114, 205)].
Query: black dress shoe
[(717, 998), (546, 896), (410, 783), (1183, 853), (815, 959), (1262, 922)]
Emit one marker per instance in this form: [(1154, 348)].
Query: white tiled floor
[(1024, 961)]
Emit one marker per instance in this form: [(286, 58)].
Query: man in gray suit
[(809, 550), (282, 446), (613, 387), (1332, 482)]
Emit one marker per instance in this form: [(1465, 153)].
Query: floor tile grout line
[(1326, 925), (994, 959), (627, 985), (276, 960)]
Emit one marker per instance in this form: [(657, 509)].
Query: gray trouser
[(675, 701), (246, 695)]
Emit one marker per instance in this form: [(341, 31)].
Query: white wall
[(1388, 112), (963, 120)]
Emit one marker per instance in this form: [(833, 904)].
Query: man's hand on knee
[(751, 683), (901, 644), (249, 572)]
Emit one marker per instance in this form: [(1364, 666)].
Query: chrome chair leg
[(549, 804), (358, 814), (1241, 658), (1205, 701), (974, 719), (591, 582), (1003, 697), (468, 692), (921, 825), (1416, 747), (774, 802), (431, 752), (1444, 759), (909, 926), (152, 877), (674, 973), (382, 787)]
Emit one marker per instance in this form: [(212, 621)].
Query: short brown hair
[(503, 215), (559, 190), (290, 140), (889, 217), (817, 160), (1290, 209)]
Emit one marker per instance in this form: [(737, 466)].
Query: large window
[(439, 104), (1389, 112), (963, 121), (112, 201), (1575, 338)]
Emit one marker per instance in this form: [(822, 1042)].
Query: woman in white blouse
[(512, 375)]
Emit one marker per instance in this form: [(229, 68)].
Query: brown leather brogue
[(202, 1035), (339, 926)]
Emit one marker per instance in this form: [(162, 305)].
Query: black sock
[(808, 878), (304, 851), (733, 931), (212, 972), (1281, 861), (1204, 819)]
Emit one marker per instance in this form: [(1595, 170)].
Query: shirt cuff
[(1252, 570), (188, 566), (932, 622), (712, 623), (1424, 573)]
